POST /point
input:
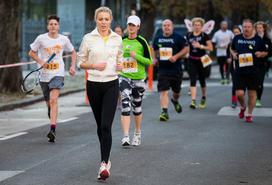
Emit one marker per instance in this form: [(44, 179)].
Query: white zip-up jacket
[(94, 49)]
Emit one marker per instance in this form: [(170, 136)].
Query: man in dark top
[(169, 48), (247, 50)]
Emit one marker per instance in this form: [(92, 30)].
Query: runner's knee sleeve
[(126, 107), (137, 106)]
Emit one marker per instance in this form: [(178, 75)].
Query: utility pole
[(123, 8)]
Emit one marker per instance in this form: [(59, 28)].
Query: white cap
[(134, 19)]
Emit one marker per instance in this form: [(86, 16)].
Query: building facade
[(76, 18)]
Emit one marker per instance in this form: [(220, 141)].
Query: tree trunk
[(10, 78), (147, 16)]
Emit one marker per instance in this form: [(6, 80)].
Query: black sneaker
[(193, 105), (177, 106), (202, 104), (164, 116), (51, 136)]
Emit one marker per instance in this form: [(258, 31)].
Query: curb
[(22, 103)]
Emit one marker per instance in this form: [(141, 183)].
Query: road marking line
[(8, 174), (217, 84), (209, 84), (69, 119), (25, 119), (260, 112), (12, 136)]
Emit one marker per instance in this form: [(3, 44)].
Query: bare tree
[(148, 14), (10, 78)]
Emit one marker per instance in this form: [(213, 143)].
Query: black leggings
[(196, 69), (222, 61), (261, 76), (103, 98)]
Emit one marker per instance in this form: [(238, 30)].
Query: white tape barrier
[(25, 63)]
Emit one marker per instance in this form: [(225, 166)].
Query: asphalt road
[(197, 147)]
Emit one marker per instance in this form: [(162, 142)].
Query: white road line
[(12, 136), (217, 84), (69, 119), (25, 119), (8, 174), (260, 112), (209, 84)]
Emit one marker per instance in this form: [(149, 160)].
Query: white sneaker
[(109, 165), (104, 171), (136, 139), (125, 141)]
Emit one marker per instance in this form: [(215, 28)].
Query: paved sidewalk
[(72, 84), (34, 115)]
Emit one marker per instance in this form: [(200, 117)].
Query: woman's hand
[(196, 44)]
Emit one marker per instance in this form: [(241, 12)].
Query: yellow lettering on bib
[(129, 65), (165, 53), (52, 66), (206, 60), (245, 59)]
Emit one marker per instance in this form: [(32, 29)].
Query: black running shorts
[(165, 82), (246, 81)]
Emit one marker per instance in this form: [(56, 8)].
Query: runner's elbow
[(30, 53)]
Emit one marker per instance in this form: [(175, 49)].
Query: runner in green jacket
[(131, 81)]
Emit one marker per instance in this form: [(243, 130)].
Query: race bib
[(245, 59), (206, 60), (165, 53), (52, 66), (129, 65)]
